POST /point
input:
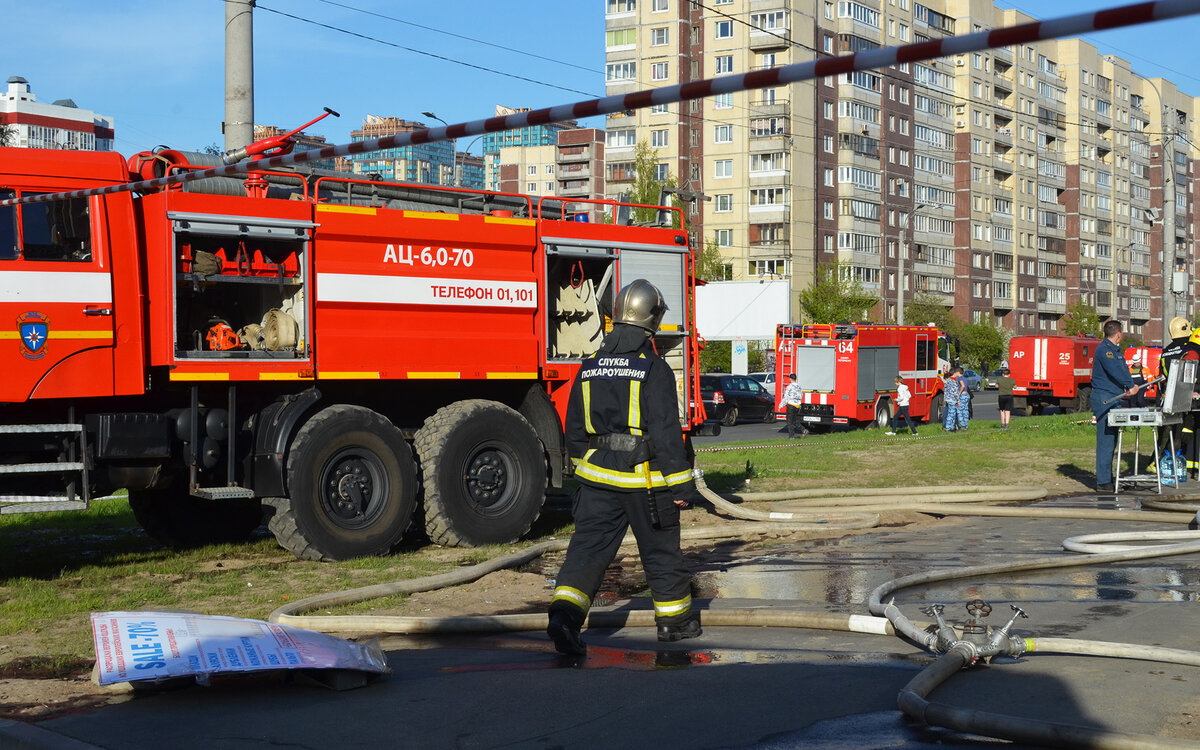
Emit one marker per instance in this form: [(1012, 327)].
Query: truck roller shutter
[(663, 266)]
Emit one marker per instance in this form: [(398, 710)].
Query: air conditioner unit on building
[(961, 123), (960, 62)]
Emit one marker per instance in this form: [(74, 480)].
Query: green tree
[(982, 343), (716, 356), (8, 136), (1081, 319), (926, 308), (834, 296), (710, 266), (646, 188)]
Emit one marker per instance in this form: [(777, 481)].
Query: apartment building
[(570, 170), (1008, 184), (60, 125), (437, 163), (530, 136)]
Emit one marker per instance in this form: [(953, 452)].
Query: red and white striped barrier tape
[(1127, 15)]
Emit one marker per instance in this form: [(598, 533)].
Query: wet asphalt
[(748, 687)]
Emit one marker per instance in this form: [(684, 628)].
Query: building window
[(549, 169), (532, 169), (621, 138), (659, 37), (661, 173), (723, 101), (658, 6), (724, 237), (660, 138), (531, 187), (620, 38), (724, 64), (723, 134), (724, 203), (549, 187), (658, 71), (723, 29), (622, 6), (723, 167), (623, 71)]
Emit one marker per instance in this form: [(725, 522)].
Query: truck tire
[(352, 487), (178, 520), (483, 471), (1083, 400), (731, 417), (883, 414), (937, 410)]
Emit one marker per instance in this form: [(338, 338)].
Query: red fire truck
[(1052, 370), (327, 348), (847, 370)]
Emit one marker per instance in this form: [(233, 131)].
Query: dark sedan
[(733, 397)]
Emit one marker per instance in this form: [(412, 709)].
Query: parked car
[(993, 380), (973, 380), (733, 397), (767, 379)]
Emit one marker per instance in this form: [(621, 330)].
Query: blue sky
[(157, 66)]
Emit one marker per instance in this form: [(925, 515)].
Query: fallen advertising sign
[(133, 646)]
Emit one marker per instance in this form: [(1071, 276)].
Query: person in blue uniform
[(1110, 381), (632, 465)]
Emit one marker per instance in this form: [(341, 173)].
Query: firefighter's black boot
[(565, 634), (689, 629)]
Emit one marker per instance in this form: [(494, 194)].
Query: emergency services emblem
[(34, 329)]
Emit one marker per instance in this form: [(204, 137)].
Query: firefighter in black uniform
[(1180, 344), (630, 460)]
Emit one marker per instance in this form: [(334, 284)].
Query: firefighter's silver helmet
[(640, 304), (1180, 327)]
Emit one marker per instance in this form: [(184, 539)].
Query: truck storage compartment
[(240, 287)]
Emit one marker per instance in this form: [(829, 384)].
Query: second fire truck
[(847, 370)]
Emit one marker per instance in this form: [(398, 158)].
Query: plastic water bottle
[(1166, 470), (1181, 470)]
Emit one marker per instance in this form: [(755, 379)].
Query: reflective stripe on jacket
[(631, 394)]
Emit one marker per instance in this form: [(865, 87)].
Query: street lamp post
[(1168, 210), (906, 243), (453, 150)]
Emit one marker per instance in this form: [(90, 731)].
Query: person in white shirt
[(793, 396), (902, 397)]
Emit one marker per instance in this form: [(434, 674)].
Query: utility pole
[(1167, 253), (239, 74)]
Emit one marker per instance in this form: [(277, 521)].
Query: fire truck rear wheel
[(352, 487), (483, 471), (176, 519), (937, 409), (883, 414)]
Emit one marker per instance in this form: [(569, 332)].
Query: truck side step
[(37, 504), (41, 468), (223, 493), (16, 429)]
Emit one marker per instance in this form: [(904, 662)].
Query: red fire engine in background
[(329, 349), (1052, 370), (847, 370)]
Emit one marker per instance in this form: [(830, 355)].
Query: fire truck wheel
[(352, 487), (883, 414), (484, 474), (178, 520), (937, 409), (1083, 400), (731, 417)]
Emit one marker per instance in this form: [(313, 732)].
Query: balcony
[(1004, 136), (762, 40), (574, 154), (770, 178), (777, 108), (573, 190), (575, 171)]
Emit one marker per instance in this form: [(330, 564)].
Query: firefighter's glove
[(664, 513)]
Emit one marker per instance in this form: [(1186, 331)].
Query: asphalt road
[(984, 404)]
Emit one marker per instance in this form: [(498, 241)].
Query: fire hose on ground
[(848, 509)]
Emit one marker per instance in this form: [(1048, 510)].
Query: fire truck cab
[(317, 349), (1052, 370), (847, 370)]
